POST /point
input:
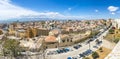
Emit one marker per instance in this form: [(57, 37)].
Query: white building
[(116, 23)]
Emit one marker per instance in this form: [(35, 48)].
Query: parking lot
[(79, 52), (59, 51), (82, 49)]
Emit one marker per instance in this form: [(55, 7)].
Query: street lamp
[(44, 48), (89, 46), (90, 39)]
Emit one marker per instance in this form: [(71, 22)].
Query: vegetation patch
[(1, 32), (102, 55), (113, 35), (11, 48)]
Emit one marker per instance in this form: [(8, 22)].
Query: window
[(70, 40), (63, 41), (67, 40)]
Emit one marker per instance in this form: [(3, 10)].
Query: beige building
[(42, 32), (11, 30), (56, 39)]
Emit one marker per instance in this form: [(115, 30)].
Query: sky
[(89, 9)]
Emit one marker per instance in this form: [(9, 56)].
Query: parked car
[(88, 52), (77, 46), (81, 55), (99, 42), (95, 47)]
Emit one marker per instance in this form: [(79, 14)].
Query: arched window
[(63, 41), (67, 40), (71, 40), (46, 47)]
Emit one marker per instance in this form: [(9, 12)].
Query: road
[(82, 49), (74, 52)]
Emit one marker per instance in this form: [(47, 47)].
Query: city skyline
[(59, 29)]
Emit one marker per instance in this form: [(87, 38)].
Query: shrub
[(1, 32), (101, 50), (116, 40), (11, 46), (95, 55), (111, 31), (86, 58)]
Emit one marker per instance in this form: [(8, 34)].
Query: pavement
[(83, 48), (108, 44), (75, 52), (115, 54)]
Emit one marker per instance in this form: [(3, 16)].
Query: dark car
[(88, 52), (81, 55), (77, 46), (95, 47), (99, 42), (65, 50), (74, 58), (88, 42), (61, 51), (91, 39), (58, 51)]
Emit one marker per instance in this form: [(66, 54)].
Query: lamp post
[(90, 39), (89, 45), (44, 48), (3, 53)]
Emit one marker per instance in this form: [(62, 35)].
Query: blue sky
[(65, 8)]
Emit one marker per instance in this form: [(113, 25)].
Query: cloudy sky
[(60, 8)]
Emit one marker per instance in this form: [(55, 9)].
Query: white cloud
[(69, 9), (113, 8), (8, 10), (113, 13), (96, 10), (6, 0)]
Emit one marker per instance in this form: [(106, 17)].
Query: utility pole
[(89, 46), (11, 54), (3, 53), (89, 41)]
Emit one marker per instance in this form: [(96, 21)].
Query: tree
[(111, 31), (95, 55), (1, 32), (88, 22), (11, 47)]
